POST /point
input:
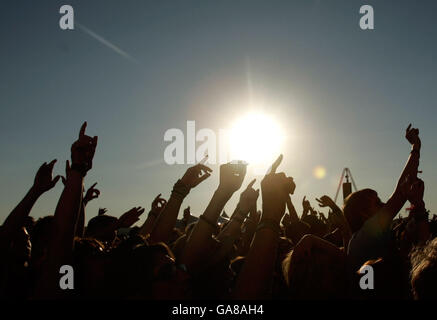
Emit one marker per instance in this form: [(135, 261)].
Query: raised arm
[(338, 218), (306, 205), (249, 228), (43, 182), (399, 197), (90, 194), (419, 212), (66, 215), (167, 219), (157, 206), (247, 201), (231, 178), (255, 278)]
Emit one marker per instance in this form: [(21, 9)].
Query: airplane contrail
[(105, 42)]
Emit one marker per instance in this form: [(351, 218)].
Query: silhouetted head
[(147, 272), (99, 228), (317, 274), (360, 206)]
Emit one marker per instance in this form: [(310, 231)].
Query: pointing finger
[(82, 130), (250, 185), (276, 164), (51, 164)]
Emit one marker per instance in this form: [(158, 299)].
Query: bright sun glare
[(256, 138)]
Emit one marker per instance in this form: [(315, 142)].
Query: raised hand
[(16, 219), (291, 185), (43, 179), (326, 201), (129, 218), (158, 205), (91, 193), (412, 135), (195, 175), (275, 165), (260, 261), (275, 188), (232, 176), (67, 172), (82, 152), (306, 204), (248, 198), (322, 217)]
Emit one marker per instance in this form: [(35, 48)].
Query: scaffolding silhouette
[(347, 186)]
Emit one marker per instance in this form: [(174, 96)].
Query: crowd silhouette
[(258, 253)]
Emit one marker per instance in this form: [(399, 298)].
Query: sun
[(319, 172), (256, 138)]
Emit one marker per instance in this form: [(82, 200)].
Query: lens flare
[(319, 172)]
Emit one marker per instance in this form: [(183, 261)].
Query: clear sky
[(344, 96)]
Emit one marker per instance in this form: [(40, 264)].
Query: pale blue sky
[(345, 96)]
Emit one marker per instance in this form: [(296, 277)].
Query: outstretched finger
[(51, 164), (409, 127), (156, 198), (55, 180), (205, 158), (251, 183), (82, 130), (276, 164), (92, 187)]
